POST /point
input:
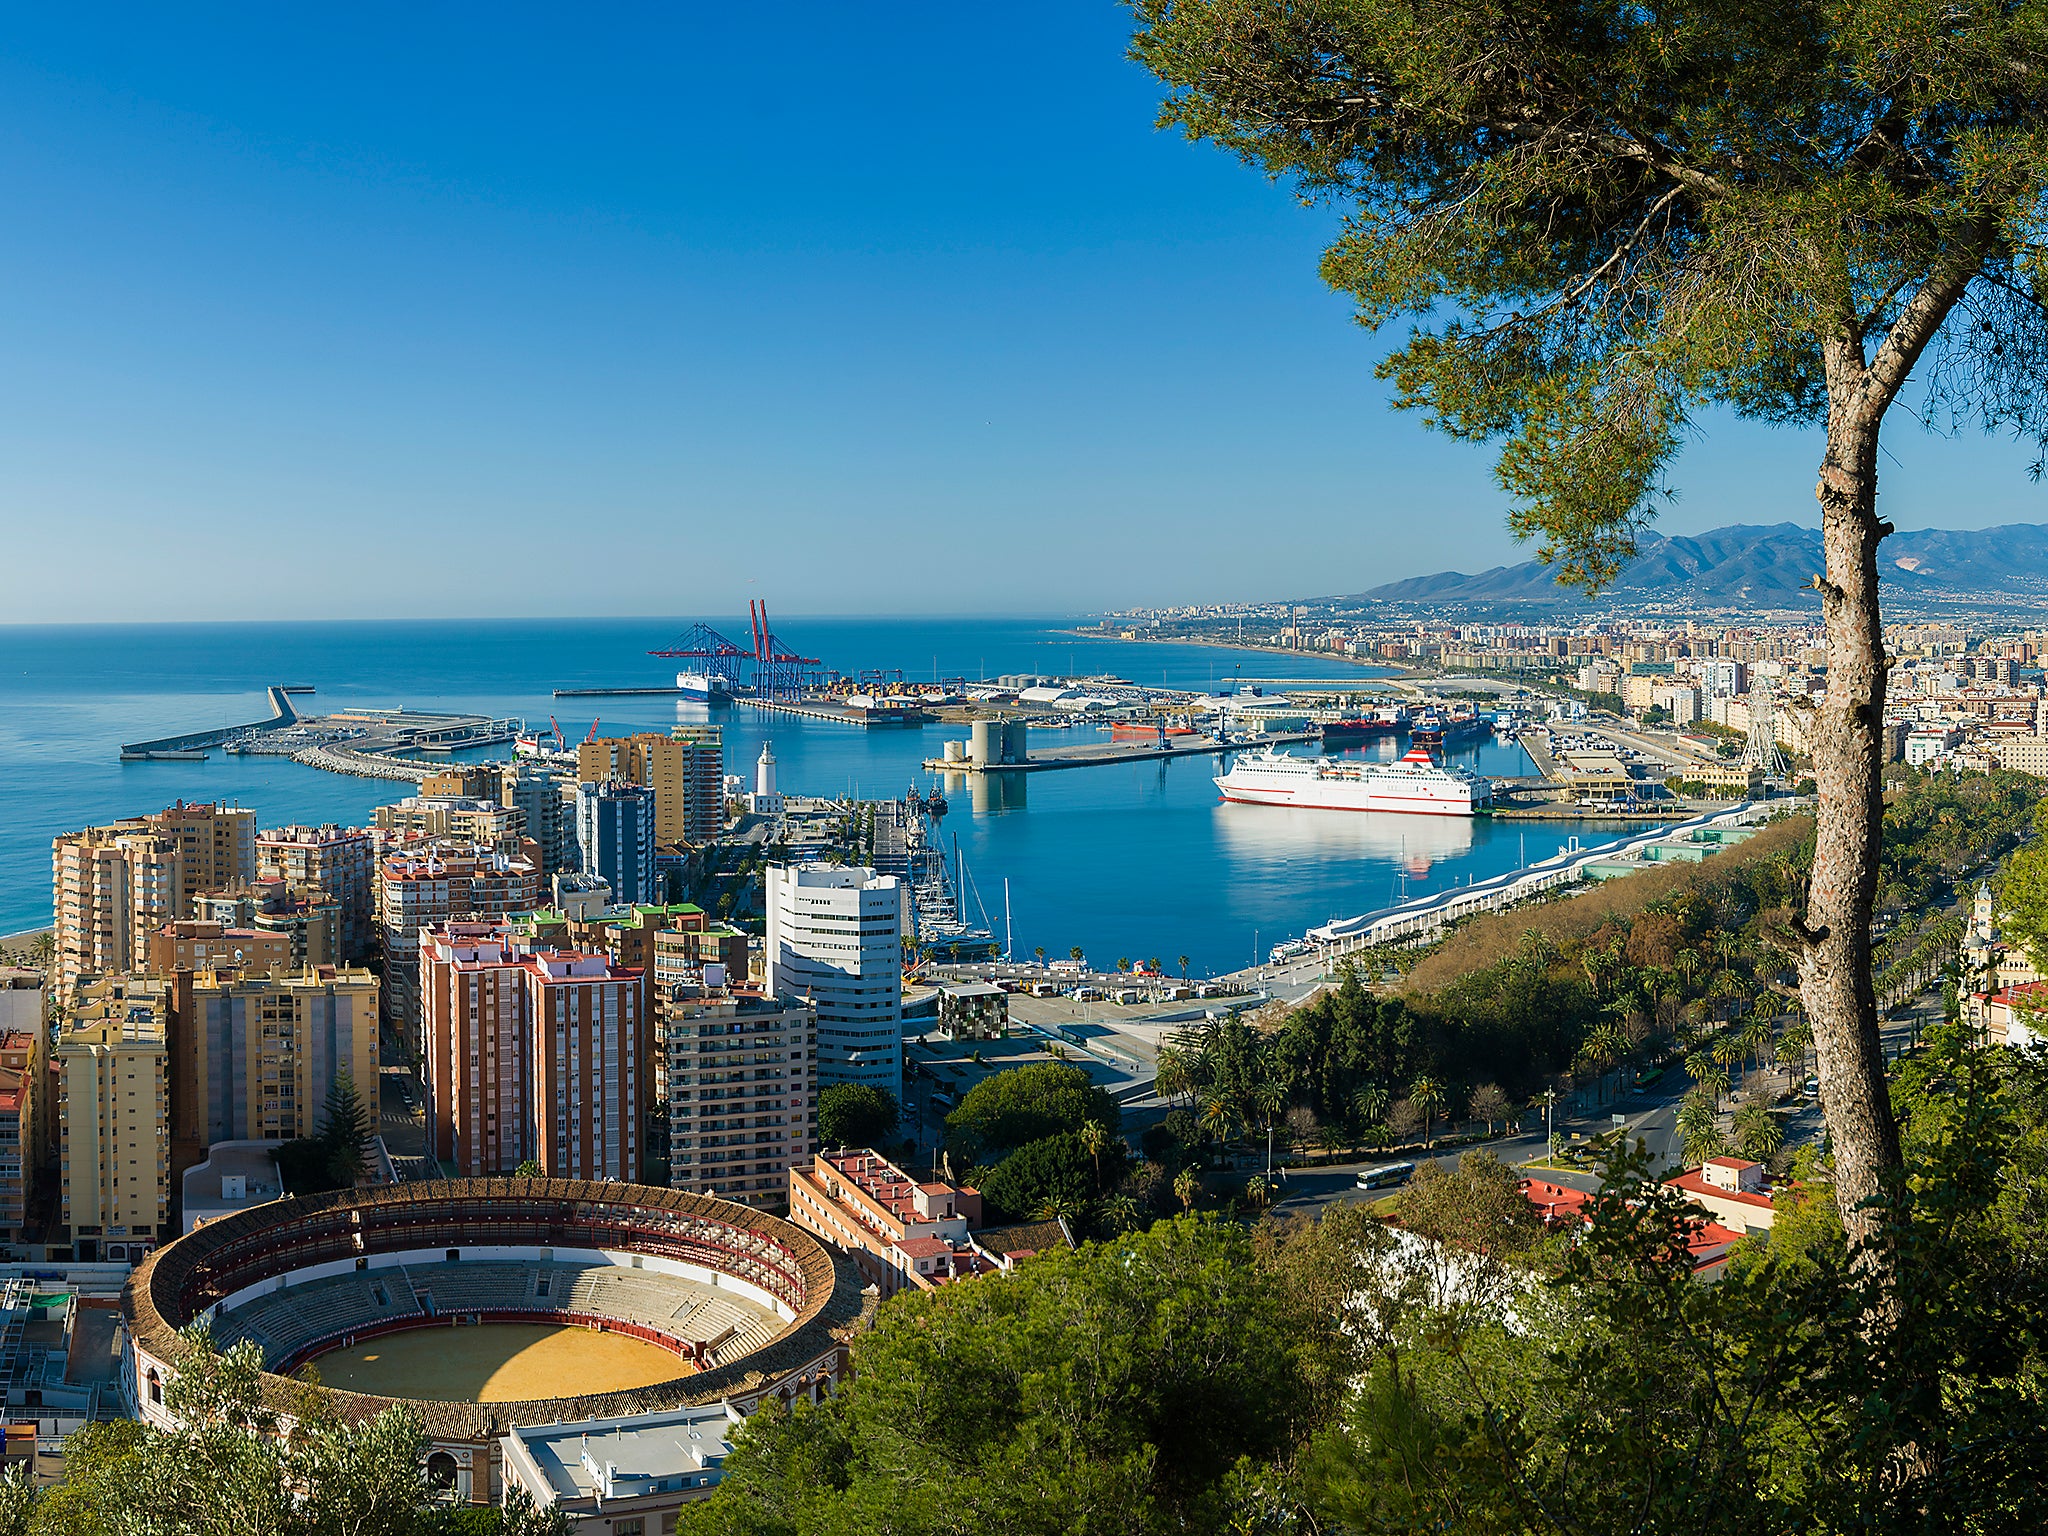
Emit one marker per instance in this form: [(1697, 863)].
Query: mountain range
[(1751, 568)]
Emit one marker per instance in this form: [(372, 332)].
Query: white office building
[(835, 936)]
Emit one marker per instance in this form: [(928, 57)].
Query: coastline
[(1390, 672)]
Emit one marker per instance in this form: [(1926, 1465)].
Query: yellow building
[(686, 771), (451, 816), (114, 886), (255, 1054), (113, 1114)]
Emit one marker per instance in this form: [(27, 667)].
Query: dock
[(839, 714), (619, 693), (192, 746), (1096, 754)]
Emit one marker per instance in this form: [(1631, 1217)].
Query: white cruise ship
[(1418, 783)]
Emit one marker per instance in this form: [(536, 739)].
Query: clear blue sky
[(403, 310)]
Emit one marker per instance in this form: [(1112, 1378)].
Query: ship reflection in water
[(1276, 833)]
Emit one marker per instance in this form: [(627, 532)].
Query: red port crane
[(779, 673)]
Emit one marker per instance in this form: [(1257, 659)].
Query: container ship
[(1389, 720), (1417, 784)]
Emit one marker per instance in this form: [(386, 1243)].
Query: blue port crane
[(715, 654)]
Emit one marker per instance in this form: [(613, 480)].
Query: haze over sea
[(1137, 859)]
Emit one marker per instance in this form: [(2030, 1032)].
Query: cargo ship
[(1138, 730), (704, 687), (1417, 784), (1387, 721)]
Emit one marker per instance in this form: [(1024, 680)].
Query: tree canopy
[(855, 1115), (1601, 218), (1025, 1104), (1127, 1387)]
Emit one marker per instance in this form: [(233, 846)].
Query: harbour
[(1136, 857)]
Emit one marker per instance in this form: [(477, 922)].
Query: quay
[(369, 743), (1095, 754), (838, 714), (191, 747), (618, 693), (1422, 917)]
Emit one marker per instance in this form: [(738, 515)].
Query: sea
[(1137, 860)]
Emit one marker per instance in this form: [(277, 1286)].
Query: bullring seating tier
[(285, 1323)]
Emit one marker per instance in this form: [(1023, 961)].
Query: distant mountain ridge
[(1757, 567)]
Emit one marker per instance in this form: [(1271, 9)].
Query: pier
[(369, 743), (192, 746), (839, 714), (1096, 754), (619, 693)]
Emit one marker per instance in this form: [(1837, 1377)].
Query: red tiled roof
[(1737, 1163), (1693, 1183)]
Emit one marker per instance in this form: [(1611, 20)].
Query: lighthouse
[(765, 801)]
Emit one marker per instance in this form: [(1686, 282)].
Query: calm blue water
[(1138, 859)]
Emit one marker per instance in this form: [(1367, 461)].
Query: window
[(635, 1526)]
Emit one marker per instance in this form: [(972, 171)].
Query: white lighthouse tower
[(765, 800)]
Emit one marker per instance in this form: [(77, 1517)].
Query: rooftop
[(627, 1457)]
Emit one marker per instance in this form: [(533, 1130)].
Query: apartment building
[(216, 844), (114, 887), (24, 1111), (423, 886), (686, 771), (341, 861), (113, 1115), (531, 1054), (901, 1234), (741, 1090), (835, 935), (536, 791), (254, 1054), (307, 918), (22, 995), (486, 823), (195, 944), (615, 832)]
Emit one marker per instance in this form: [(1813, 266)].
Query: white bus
[(1381, 1178)]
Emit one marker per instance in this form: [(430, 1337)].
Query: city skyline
[(675, 284)]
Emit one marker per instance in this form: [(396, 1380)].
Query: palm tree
[(1038, 954), (1185, 1187), (1369, 1102), (1756, 1038), (1094, 1139), (1258, 1192), (1156, 966), (1696, 1128), (1076, 954), (1218, 1118), (1183, 967), (1701, 1068), (1175, 1074), (1430, 1097), (1120, 1213), (1269, 1097), (1123, 964), (1058, 1208), (1757, 1133)]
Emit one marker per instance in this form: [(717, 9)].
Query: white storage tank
[(956, 751), (985, 743)]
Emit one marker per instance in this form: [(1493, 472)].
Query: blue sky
[(433, 309)]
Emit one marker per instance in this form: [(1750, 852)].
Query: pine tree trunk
[(1848, 757)]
